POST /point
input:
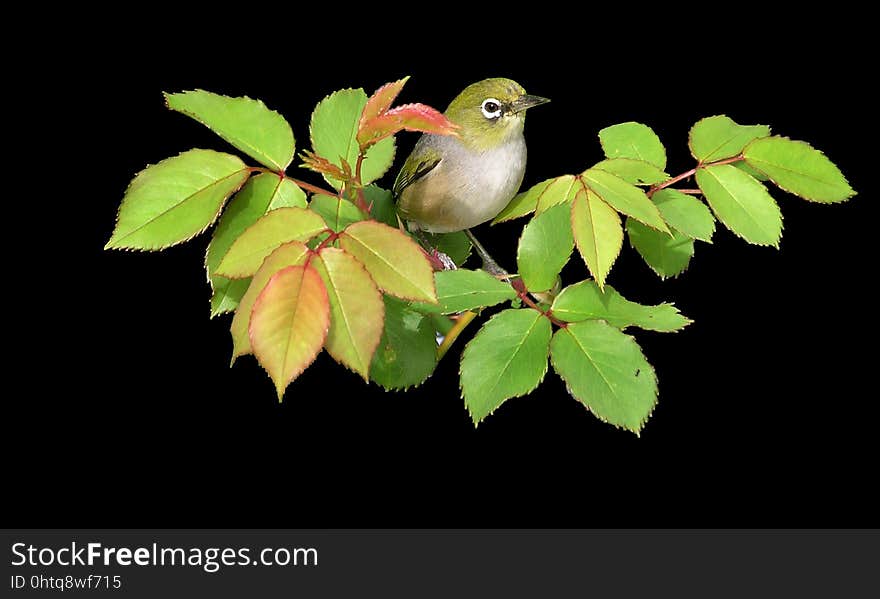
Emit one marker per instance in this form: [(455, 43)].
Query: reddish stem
[(523, 294), (311, 188), (301, 184), (360, 201), (690, 173)]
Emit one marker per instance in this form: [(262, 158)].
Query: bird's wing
[(414, 169)]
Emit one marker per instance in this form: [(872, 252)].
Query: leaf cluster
[(305, 268)]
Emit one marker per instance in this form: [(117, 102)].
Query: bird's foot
[(447, 262)]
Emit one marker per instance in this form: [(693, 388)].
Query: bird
[(452, 183)]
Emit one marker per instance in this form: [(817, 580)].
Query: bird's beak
[(525, 102)]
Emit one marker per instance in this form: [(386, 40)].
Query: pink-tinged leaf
[(357, 312), (393, 259), (412, 117), (289, 323), (293, 253), (319, 164), (381, 101)]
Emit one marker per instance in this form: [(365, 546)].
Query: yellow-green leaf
[(293, 253), (335, 211), (718, 137), (176, 199), (261, 194), (633, 140), (247, 124), (548, 193), (562, 189), (463, 289), (357, 312), (585, 301), (394, 260), (597, 233), (741, 203), (606, 371), (506, 358), (636, 172), (685, 214), (259, 240), (798, 168), (544, 248), (289, 323), (624, 197)]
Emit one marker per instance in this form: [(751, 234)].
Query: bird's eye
[(491, 108)]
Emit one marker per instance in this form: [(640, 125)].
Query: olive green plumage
[(451, 183)]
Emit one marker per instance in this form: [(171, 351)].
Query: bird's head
[(488, 112)]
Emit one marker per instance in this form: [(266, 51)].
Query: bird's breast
[(467, 188)]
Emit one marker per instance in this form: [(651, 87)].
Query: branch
[(690, 173), (311, 188), (464, 319), (301, 184)]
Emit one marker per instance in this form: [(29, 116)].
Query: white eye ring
[(491, 103)]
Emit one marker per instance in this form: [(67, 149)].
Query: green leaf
[(744, 166), (456, 245), (407, 352), (289, 323), (686, 214), (394, 260), (718, 137), (585, 301), (260, 194), (606, 371), (563, 189), (357, 312), (624, 197), (460, 290), (293, 253), (741, 203), (333, 130), (383, 209), (597, 233), (259, 240), (544, 248), (668, 256), (175, 200), (556, 191), (227, 293), (247, 124), (636, 172), (633, 140), (336, 212), (798, 168), (523, 203), (506, 358)]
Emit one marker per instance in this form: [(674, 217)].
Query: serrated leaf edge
[(468, 346), (348, 327), (707, 160), (254, 153), (156, 248), (643, 422), (785, 189), (719, 219)]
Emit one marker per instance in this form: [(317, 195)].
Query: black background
[(128, 416)]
